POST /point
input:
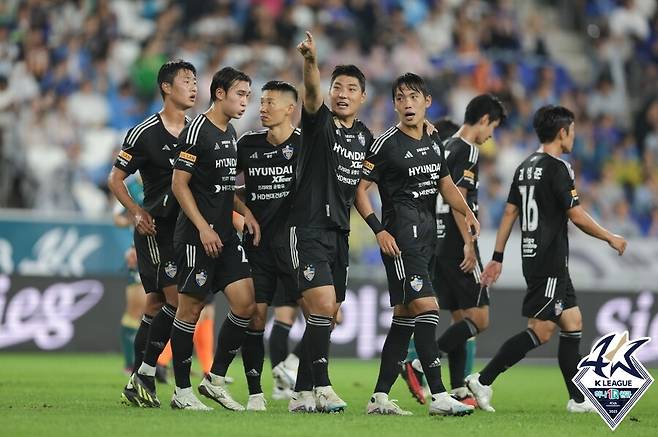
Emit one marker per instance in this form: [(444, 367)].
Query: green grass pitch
[(78, 394)]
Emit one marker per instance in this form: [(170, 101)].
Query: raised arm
[(312, 95)]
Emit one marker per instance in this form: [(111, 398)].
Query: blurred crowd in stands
[(76, 74)]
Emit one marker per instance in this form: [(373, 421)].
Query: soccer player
[(334, 143), (544, 197), (151, 148), (409, 169), (458, 266), (267, 159)]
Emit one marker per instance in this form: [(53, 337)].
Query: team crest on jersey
[(559, 306), (416, 283), (436, 148), (309, 272), (287, 151), (171, 269), (235, 144), (361, 138), (201, 278), (612, 378)]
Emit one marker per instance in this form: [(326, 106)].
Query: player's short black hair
[(446, 128), (170, 69), (485, 104), (225, 78), (549, 120), (280, 85), (352, 71), (411, 81)]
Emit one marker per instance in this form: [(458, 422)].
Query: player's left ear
[(166, 88), (484, 120), (363, 96), (220, 94)]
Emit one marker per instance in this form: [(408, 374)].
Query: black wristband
[(497, 256), (374, 223)]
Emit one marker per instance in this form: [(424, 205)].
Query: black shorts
[(320, 257), (274, 279), (156, 258), (455, 289), (201, 274), (409, 274), (546, 298)]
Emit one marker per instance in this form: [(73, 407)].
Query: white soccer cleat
[(283, 376), (585, 406), (445, 405), (257, 402), (184, 399), (217, 391), (302, 402), (482, 393), (327, 401), (279, 394), (381, 404)]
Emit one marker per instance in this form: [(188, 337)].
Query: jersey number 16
[(530, 213)]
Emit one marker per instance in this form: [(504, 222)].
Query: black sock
[(319, 332), (297, 351), (159, 334), (568, 356), (182, 345), (453, 342), (304, 380), (140, 340), (393, 353), (279, 342), (510, 353), (428, 349), (253, 355), (229, 340)]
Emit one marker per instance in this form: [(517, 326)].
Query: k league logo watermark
[(612, 378)]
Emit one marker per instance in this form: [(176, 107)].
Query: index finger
[(309, 36)]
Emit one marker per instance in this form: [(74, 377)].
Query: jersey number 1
[(530, 213)]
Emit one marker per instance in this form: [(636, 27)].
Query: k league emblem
[(170, 269), (612, 378), (309, 272), (361, 138), (287, 152), (201, 277), (416, 283)]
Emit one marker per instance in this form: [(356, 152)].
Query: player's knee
[(152, 308), (543, 333), (244, 309), (258, 318)]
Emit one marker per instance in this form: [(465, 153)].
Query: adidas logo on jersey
[(254, 155), (217, 147), (166, 147), (408, 155)]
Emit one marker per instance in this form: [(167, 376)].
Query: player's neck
[(217, 117), (468, 134), (172, 116), (415, 131), (554, 149), (347, 122), (278, 134)]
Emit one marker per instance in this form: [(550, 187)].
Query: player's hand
[(491, 273), (143, 222), (307, 47), (387, 244), (252, 226), (429, 127), (473, 225), (131, 258), (468, 264), (212, 244), (618, 243)]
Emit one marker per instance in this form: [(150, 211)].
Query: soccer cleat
[(445, 405), (257, 402), (279, 393), (184, 399), (283, 376), (302, 402), (482, 393), (413, 379), (464, 396), (129, 396), (381, 404), (145, 387), (219, 393), (585, 406), (327, 401)]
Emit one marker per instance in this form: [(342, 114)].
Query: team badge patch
[(201, 278), (309, 272), (416, 283), (287, 151), (436, 148), (171, 269), (612, 378), (361, 138), (559, 306)]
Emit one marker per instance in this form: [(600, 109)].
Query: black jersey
[(150, 148), (269, 174), (462, 162), (543, 190), (328, 170), (210, 155), (407, 173)]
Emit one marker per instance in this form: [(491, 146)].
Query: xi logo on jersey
[(287, 152), (612, 378), (309, 272)]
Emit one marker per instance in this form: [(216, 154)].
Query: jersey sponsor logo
[(423, 150), (287, 152), (226, 162), (187, 156), (171, 269), (361, 138), (612, 378), (426, 168), (270, 171), (269, 196), (270, 155), (574, 193), (201, 277), (368, 165), (220, 188), (469, 174), (416, 283), (309, 272), (125, 155), (349, 154), (408, 155)]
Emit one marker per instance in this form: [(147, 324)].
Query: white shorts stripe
[(294, 255)]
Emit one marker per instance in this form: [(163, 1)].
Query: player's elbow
[(576, 215)]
